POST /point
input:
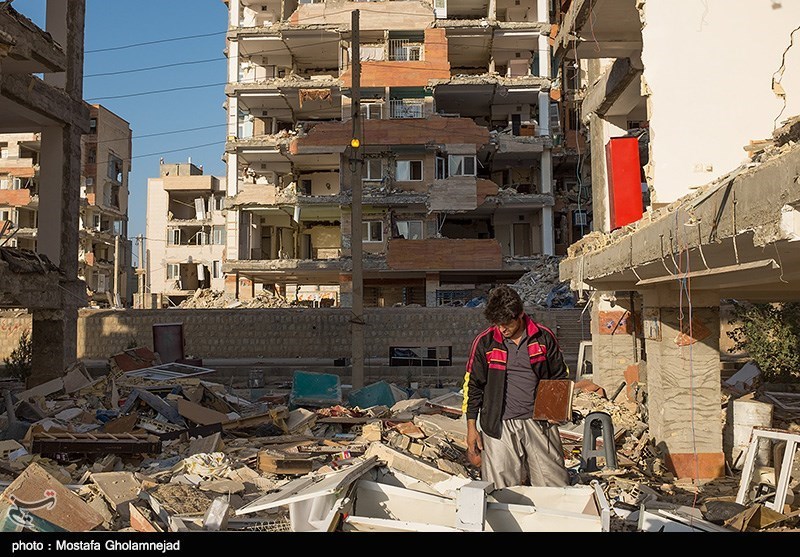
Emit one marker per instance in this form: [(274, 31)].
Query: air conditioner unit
[(580, 218)]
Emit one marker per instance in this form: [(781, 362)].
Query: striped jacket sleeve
[(474, 379)]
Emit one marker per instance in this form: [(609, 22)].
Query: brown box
[(554, 400)]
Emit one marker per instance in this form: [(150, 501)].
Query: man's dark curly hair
[(504, 305)]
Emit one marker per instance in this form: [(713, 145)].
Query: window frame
[(177, 271), (408, 222), (368, 164), (410, 175), (366, 235), (454, 162)]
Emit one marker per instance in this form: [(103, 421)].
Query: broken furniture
[(61, 443), (597, 426), (315, 389), (783, 466)]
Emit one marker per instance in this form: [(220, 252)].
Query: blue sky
[(111, 24)]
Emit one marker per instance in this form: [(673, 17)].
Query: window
[(4, 183), (410, 229), (305, 187), (372, 231), (218, 203), (3, 151), (218, 236), (462, 165), (91, 155), (441, 168), (372, 110), (373, 169), (7, 215), (115, 168), (173, 236), (409, 171), (173, 270), (96, 222), (216, 269), (93, 125)]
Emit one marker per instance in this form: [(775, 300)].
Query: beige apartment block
[(105, 251), (460, 135), (185, 233)]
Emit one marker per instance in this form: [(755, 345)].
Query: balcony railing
[(403, 50), (406, 108)]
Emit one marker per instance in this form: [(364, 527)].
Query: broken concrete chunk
[(119, 488), (36, 492), (209, 444), (216, 517)]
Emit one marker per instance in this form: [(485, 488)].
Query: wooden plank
[(38, 493), (276, 462), (200, 414), (47, 443)]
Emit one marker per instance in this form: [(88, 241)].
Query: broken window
[(462, 165), (373, 169), (410, 229), (115, 168), (115, 196), (218, 236), (173, 236), (216, 269), (441, 168), (372, 231), (409, 171)]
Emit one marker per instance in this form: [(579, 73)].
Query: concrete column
[(235, 11), (232, 174), (233, 64), (544, 113), (544, 57), (601, 130), (492, 15), (683, 381), (431, 284), (548, 242), (346, 290), (612, 340), (543, 14)]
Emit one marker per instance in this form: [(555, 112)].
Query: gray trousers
[(527, 450)]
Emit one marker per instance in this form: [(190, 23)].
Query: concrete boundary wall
[(289, 333)]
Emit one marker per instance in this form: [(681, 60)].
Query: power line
[(176, 150), (155, 67), (157, 91), (154, 42)]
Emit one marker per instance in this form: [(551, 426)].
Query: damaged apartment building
[(185, 232), (458, 143), (104, 251), (41, 82), (699, 210)]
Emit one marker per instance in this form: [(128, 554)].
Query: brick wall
[(287, 333)]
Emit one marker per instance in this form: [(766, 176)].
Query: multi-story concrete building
[(185, 232), (104, 251), (712, 190), (41, 92), (457, 146)]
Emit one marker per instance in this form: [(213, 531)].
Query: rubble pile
[(541, 285), (207, 298), (134, 452)]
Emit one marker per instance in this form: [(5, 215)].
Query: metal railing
[(403, 50), (406, 108)]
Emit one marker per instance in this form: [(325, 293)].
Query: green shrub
[(770, 335), (19, 363)]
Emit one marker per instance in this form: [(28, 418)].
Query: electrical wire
[(122, 72), (160, 41)]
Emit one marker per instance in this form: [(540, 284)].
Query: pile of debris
[(207, 298), (143, 449), (541, 285)]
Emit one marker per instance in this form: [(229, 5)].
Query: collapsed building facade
[(698, 221), (52, 106), (104, 251), (458, 127)]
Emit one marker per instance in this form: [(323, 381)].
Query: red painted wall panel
[(624, 181)]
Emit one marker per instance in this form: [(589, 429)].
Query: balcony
[(403, 50), (444, 254), (406, 108)]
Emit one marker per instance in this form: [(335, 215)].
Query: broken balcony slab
[(414, 467), (120, 489), (61, 443)]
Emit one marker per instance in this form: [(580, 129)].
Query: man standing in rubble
[(506, 362)]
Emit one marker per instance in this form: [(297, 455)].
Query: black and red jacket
[(485, 380)]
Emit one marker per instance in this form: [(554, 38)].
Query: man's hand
[(474, 440)]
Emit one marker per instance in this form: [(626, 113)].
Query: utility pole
[(356, 246), (140, 271), (116, 270)]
